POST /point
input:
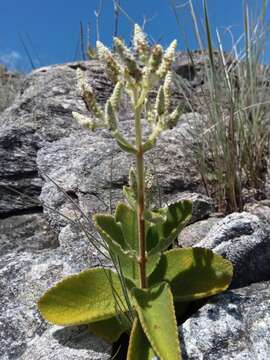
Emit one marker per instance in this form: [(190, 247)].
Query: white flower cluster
[(135, 72)]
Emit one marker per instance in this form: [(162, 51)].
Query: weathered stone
[(67, 344), (42, 113), (26, 275), (261, 209), (243, 239), (93, 171), (195, 232), (232, 326), (18, 171), (26, 233)]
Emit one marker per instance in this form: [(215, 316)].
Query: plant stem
[(140, 198)]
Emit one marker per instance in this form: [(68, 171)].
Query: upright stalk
[(140, 198)]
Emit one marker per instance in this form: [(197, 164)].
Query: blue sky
[(50, 29)]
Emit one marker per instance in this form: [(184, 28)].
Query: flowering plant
[(139, 297)]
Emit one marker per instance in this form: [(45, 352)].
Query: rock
[(26, 275), (41, 116), (232, 326), (243, 239), (260, 208), (67, 344), (93, 171), (194, 233), (18, 171), (42, 113), (202, 205), (26, 233)]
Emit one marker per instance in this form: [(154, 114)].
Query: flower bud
[(116, 96), (140, 43), (122, 50), (174, 117), (110, 118), (86, 91), (128, 59), (160, 102), (155, 58), (167, 90), (149, 76), (149, 180), (83, 120), (91, 103), (132, 180), (112, 67), (168, 59), (151, 117)]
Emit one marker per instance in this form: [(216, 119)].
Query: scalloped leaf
[(139, 347), (83, 298), (157, 317), (163, 234), (111, 232), (154, 216), (110, 329), (126, 218), (130, 196), (193, 273)]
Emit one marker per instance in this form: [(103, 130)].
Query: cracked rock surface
[(232, 326), (242, 238)]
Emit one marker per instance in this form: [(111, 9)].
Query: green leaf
[(139, 347), (130, 196), (130, 269), (154, 217), (156, 313), (126, 218), (89, 296), (111, 232), (110, 329), (163, 234), (193, 273)]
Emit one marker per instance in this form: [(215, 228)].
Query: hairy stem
[(140, 198)]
